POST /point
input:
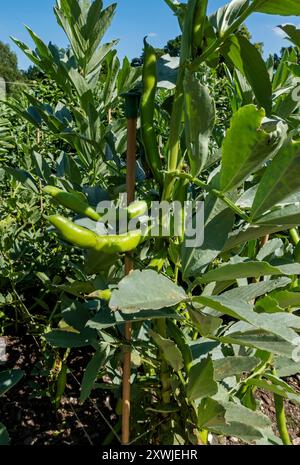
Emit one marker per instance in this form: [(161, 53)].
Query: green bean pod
[(119, 243), (147, 111), (137, 208), (73, 201), (86, 239), (199, 24), (73, 233)]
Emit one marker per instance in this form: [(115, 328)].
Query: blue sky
[(134, 19)]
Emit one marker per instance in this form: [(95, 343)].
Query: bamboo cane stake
[(130, 187)]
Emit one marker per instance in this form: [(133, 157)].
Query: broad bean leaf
[(258, 339), (67, 339), (145, 290), (278, 7), (247, 59), (286, 367), (91, 372), (200, 116), (292, 32), (225, 16), (8, 379), (249, 269), (247, 145), (201, 381), (233, 366), (4, 436), (169, 350), (107, 319), (279, 180)]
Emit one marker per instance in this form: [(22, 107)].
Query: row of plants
[(209, 324)]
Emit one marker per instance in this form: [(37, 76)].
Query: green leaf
[(252, 291), (242, 423), (218, 224), (287, 104), (225, 16), (247, 146), (68, 340), (275, 7), (4, 437), (77, 288), (278, 389), (170, 351), (91, 372), (286, 366), (243, 235), (282, 76), (200, 116), (239, 430), (281, 324), (164, 408), (235, 308), (283, 215), (23, 177), (293, 33), (248, 269), (8, 379), (201, 381), (231, 419), (206, 324), (268, 305), (145, 290), (233, 366), (247, 59), (107, 319), (279, 180), (259, 339), (210, 413), (287, 299)]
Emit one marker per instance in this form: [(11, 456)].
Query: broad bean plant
[(214, 321)]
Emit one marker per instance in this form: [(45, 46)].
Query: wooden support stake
[(130, 183)]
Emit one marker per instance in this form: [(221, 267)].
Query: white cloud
[(152, 34)]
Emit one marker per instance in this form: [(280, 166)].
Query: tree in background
[(33, 73), (9, 67), (173, 47)]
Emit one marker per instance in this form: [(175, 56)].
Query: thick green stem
[(164, 368), (217, 193), (178, 104), (174, 139), (281, 420), (294, 236)]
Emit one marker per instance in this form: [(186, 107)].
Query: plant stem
[(176, 274), (178, 104), (174, 139), (204, 436), (164, 368), (294, 236), (281, 420), (216, 192)]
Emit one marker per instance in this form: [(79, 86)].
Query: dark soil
[(31, 418)]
